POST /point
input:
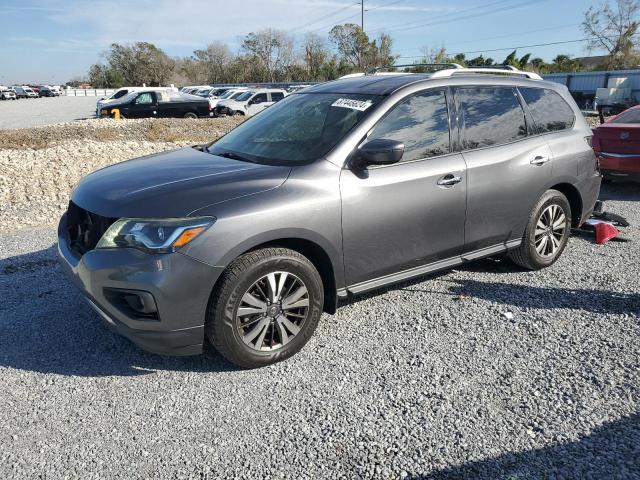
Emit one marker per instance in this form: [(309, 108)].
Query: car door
[(405, 215), (145, 105), (257, 103), (508, 165)]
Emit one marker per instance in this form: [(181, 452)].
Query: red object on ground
[(617, 144), (605, 232)]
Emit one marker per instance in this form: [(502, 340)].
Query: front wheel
[(266, 306), (190, 115), (546, 234)]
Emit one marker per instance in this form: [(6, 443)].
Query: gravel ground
[(33, 112), (40, 166), (481, 372)]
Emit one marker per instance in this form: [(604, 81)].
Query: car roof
[(386, 84)]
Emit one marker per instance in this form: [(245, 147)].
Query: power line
[(518, 47), (444, 15), (480, 14), (538, 30), (351, 5)]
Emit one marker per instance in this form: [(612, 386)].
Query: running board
[(431, 267)]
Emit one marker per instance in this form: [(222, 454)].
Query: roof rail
[(500, 69), (433, 66)]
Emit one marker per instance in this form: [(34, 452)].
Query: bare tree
[(612, 27), (272, 49), (315, 54), (214, 61)]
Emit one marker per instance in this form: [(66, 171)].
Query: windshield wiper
[(233, 156)]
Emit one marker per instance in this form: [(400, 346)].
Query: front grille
[(85, 228)]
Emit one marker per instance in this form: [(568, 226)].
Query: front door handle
[(449, 180), (539, 160)]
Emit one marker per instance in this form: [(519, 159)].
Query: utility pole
[(362, 15)]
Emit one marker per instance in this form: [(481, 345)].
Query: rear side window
[(421, 122), (275, 96), (490, 116), (550, 112)]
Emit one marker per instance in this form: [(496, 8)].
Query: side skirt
[(429, 268)]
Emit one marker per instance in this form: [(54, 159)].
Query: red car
[(617, 145)]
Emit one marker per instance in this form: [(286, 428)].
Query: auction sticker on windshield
[(361, 105)]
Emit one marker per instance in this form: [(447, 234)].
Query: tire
[(237, 113), (535, 253), (190, 115), (234, 334)]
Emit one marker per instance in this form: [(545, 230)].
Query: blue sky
[(52, 41)]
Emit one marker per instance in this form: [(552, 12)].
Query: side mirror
[(379, 152)]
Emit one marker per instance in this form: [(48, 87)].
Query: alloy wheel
[(550, 230), (272, 311)]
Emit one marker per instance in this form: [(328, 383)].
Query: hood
[(229, 102), (172, 184)]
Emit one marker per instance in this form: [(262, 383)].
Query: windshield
[(244, 96), (630, 116), (296, 130)]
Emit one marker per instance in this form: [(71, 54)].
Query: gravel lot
[(485, 371), (33, 112)]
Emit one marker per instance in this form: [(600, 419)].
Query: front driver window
[(144, 99), (420, 122)]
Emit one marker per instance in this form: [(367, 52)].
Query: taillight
[(589, 140)]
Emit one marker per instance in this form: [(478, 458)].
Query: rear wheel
[(265, 307), (546, 234), (190, 115)]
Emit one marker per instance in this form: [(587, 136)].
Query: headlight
[(154, 235)]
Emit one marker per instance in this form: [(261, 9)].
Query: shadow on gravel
[(611, 451), (47, 327), (597, 301)]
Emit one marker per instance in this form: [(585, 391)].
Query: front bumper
[(179, 284)]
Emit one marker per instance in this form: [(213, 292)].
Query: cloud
[(194, 23)]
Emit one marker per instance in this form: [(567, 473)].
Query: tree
[(351, 43), (564, 63), (140, 63), (273, 52), (315, 55), (519, 63), (213, 62), (102, 76), (612, 27)]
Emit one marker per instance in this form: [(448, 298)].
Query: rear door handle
[(449, 180), (539, 160)]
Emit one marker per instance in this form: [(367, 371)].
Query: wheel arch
[(575, 201), (317, 249)]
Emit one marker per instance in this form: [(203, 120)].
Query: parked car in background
[(121, 92), (347, 187), (617, 145), (250, 102), (23, 91), (57, 91), (35, 88), (158, 104), (46, 91), (228, 95), (7, 94)]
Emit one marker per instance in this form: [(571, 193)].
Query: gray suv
[(342, 188)]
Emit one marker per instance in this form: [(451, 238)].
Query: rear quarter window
[(549, 110)]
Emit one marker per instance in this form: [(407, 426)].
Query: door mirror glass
[(380, 151)]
